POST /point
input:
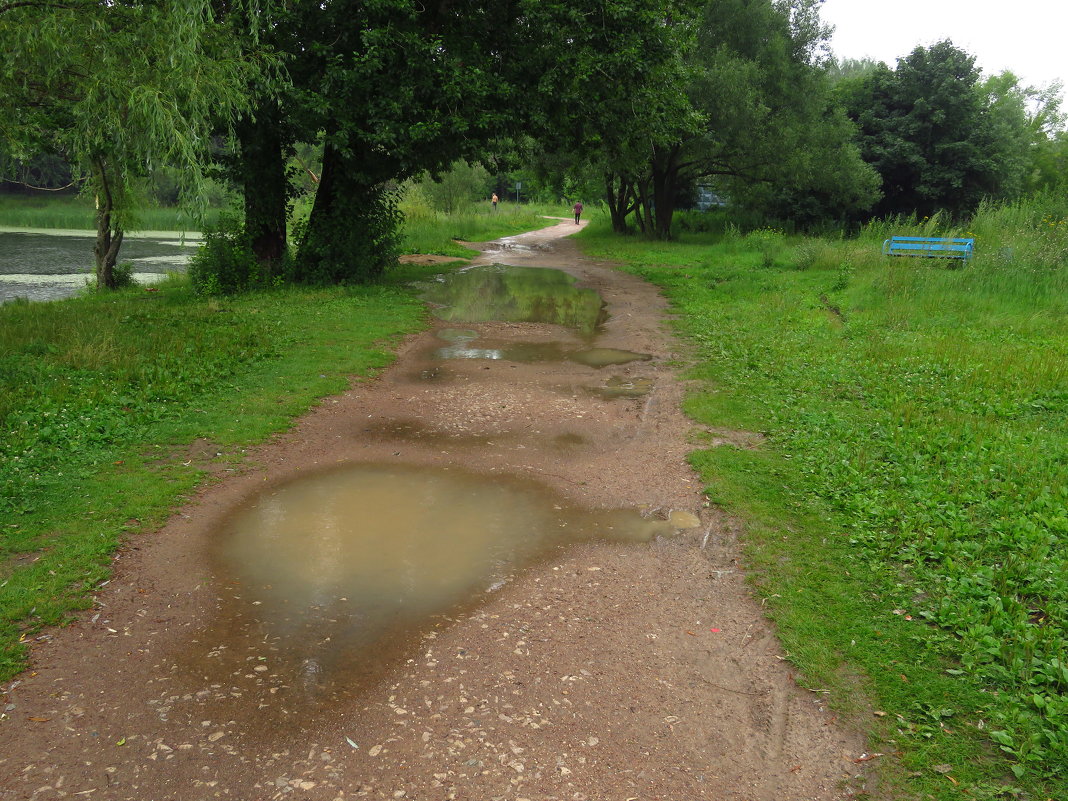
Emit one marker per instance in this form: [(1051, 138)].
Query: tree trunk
[(352, 231), (266, 188), (620, 201), (643, 212), (108, 240), (665, 174)]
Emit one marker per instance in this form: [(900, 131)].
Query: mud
[(599, 670)]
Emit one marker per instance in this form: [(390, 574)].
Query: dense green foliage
[(396, 89), (907, 511), (757, 120), (939, 137), (225, 262)]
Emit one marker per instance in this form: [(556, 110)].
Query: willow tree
[(118, 89)]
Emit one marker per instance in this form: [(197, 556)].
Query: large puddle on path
[(515, 294), (333, 574)]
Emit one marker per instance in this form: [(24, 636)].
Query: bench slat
[(938, 247)]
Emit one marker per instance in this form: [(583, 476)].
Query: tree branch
[(37, 3)]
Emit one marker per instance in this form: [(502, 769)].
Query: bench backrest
[(929, 246)]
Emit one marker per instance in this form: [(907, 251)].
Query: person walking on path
[(494, 201), (578, 211)]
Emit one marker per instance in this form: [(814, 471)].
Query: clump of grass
[(907, 514)]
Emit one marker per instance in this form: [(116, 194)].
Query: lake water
[(49, 265)]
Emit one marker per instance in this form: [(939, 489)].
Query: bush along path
[(623, 658), (907, 509)]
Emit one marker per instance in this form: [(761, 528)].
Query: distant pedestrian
[(494, 200), (578, 211)]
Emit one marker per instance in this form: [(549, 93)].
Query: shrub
[(225, 263)]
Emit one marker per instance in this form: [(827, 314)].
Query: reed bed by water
[(908, 514), (77, 214)]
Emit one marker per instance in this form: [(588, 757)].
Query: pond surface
[(340, 567), (51, 265)]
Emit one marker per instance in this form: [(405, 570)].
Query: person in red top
[(578, 211)]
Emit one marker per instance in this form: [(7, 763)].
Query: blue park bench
[(931, 247)]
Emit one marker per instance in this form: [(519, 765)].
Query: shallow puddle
[(515, 294), (621, 387), (461, 346), (607, 357), (336, 569)]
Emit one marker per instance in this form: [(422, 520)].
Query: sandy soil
[(606, 671)]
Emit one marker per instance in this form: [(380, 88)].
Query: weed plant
[(908, 514)]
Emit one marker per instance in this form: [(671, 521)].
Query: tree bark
[(108, 240), (352, 231), (665, 174), (266, 187), (620, 200)]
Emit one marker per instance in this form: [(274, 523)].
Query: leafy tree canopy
[(759, 90), (938, 136)]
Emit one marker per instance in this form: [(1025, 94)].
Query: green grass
[(907, 514), (76, 214), (101, 397)]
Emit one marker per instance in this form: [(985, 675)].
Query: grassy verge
[(101, 398), (907, 514)]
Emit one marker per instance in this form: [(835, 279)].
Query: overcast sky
[(1029, 37)]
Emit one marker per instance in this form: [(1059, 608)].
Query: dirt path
[(605, 671)]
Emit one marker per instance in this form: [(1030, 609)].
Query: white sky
[(1028, 37)]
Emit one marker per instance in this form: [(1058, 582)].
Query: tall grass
[(77, 214), (428, 231), (909, 513)]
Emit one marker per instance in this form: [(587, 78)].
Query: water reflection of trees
[(517, 294)]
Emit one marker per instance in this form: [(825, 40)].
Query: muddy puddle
[(334, 575), (622, 387), (465, 344), (515, 294)]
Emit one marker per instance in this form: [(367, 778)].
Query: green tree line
[(639, 101)]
